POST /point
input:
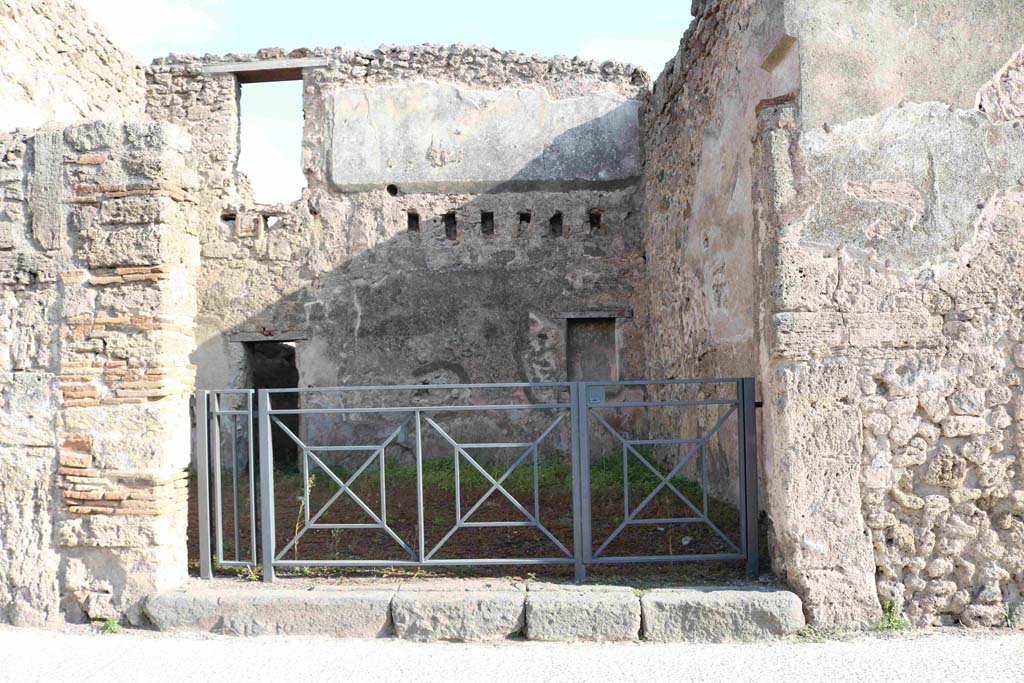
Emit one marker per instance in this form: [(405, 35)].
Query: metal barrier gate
[(576, 421)]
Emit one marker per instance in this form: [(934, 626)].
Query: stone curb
[(720, 615), (347, 613), (482, 611), (590, 613), (462, 616)]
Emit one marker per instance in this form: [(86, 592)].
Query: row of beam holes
[(556, 224)]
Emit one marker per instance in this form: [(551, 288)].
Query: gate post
[(266, 487), (202, 462), (583, 394), (578, 539), (748, 464)]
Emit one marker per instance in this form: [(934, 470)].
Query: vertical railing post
[(578, 540), (266, 486), (202, 462), (588, 535), (215, 466), (420, 531), (748, 475), (253, 536)]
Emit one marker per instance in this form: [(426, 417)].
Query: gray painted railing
[(225, 419)]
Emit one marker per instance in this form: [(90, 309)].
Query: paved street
[(83, 656)]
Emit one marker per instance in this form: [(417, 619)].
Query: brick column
[(125, 378)]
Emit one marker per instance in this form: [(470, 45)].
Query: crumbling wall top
[(472, 64), (58, 65)]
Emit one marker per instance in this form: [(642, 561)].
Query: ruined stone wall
[(373, 302), (698, 217), (733, 289), (95, 334), (57, 65), (29, 309), (892, 372)]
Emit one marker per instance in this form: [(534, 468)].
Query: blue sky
[(646, 34)]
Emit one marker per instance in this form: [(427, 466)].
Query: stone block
[(964, 425), (150, 436), (720, 615), (460, 612), (340, 612), (801, 335), (128, 575), (8, 231), (27, 401), (134, 210), (119, 531), (592, 613), (29, 591), (47, 195), (137, 245)]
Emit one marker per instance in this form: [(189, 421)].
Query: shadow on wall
[(386, 287)]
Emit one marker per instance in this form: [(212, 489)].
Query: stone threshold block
[(459, 610), (590, 613), (254, 609), (720, 615)]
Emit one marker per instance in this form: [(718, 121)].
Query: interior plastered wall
[(698, 215), (373, 303)]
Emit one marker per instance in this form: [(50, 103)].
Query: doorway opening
[(591, 353), (272, 365)]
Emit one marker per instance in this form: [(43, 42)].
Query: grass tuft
[(111, 625), (893, 620)]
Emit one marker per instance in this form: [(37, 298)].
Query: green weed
[(893, 620), (111, 625)]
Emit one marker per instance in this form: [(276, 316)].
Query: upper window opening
[(271, 140)]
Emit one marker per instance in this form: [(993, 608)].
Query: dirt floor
[(552, 482)]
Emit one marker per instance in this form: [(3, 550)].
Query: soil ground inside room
[(552, 484)]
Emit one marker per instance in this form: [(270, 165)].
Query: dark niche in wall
[(556, 225), (487, 222), (272, 366), (450, 225)]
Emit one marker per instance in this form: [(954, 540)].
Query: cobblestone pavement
[(84, 656)]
